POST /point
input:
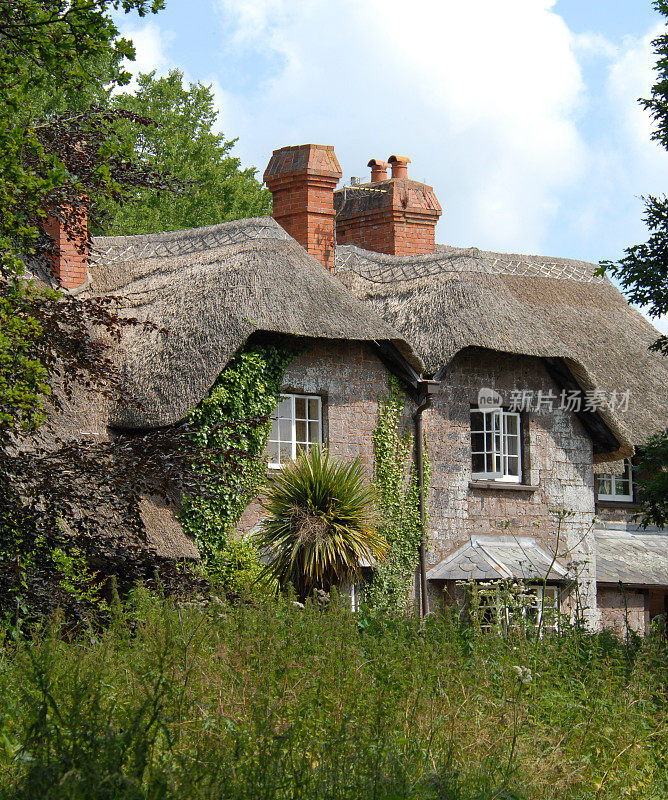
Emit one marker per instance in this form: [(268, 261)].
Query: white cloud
[(482, 96), (632, 76), (150, 43)]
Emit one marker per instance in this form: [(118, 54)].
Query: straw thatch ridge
[(208, 290), (547, 307)]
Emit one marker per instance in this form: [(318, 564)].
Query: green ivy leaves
[(396, 482), (234, 421)]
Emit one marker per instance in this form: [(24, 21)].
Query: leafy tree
[(643, 275), (320, 523), (68, 160), (53, 164), (184, 144)]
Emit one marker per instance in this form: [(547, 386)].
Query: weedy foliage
[(275, 702)]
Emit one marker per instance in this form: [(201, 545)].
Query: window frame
[(293, 396), (499, 452), (545, 606), (616, 497)]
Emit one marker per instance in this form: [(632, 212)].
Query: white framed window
[(617, 488), (296, 425), (502, 608), (496, 452), (353, 591)]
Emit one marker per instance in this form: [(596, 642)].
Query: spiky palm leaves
[(320, 525)]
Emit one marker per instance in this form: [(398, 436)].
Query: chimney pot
[(378, 170), (399, 166)]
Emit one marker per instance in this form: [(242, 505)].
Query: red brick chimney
[(396, 216), (302, 181), (69, 257)]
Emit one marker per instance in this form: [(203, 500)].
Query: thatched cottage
[(534, 374)]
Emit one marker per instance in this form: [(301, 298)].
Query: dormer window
[(616, 488), (496, 445), (296, 425)]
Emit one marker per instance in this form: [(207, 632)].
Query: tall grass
[(274, 702)]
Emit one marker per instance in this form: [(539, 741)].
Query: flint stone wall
[(557, 459)]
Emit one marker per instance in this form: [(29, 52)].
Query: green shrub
[(320, 524)]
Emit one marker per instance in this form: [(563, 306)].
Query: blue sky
[(522, 114)]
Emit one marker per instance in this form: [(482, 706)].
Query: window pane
[(300, 429), (511, 424), (285, 407), (477, 442), (621, 485), (313, 408), (512, 444), (272, 449), (490, 465), (513, 466), (314, 432), (489, 441), (274, 430), (285, 452), (605, 484), (302, 446), (478, 462), (300, 407), (285, 430), (477, 421)]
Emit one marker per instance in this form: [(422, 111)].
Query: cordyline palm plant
[(321, 523)]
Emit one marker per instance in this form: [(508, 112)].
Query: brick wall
[(618, 608), (350, 378), (388, 232), (558, 459), (305, 209), (610, 513)]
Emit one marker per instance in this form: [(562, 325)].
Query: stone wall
[(557, 459), (557, 452), (618, 608), (350, 378), (624, 512)]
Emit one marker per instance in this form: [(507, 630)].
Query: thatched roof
[(553, 308), (206, 291), (209, 289)]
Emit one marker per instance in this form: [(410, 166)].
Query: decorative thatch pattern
[(545, 307), (208, 290)]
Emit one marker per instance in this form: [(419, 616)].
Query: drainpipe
[(427, 389)]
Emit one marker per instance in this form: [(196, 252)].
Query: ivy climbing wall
[(350, 379)]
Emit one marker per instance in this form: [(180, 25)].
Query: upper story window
[(296, 425), (618, 488), (496, 445)]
